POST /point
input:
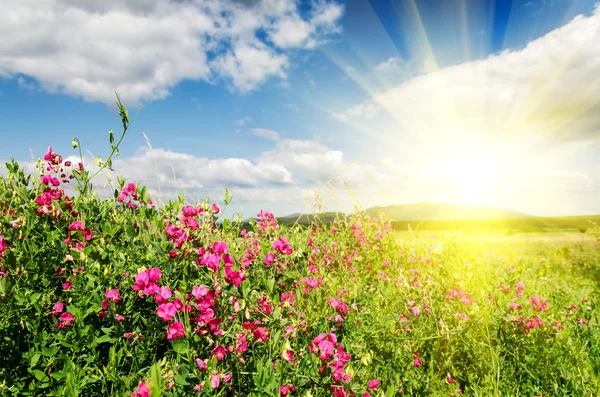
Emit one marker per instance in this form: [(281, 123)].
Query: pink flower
[(374, 384), (215, 380), (520, 287), (201, 365), (141, 279), (113, 294), (166, 311), (199, 291), (58, 308), (462, 316), (151, 288), (415, 311), (154, 274), (538, 303), (119, 317), (67, 286), (269, 258), (219, 247), (241, 344), (66, 319), (281, 245), (339, 306), (288, 355), (211, 261), (417, 361), (285, 390), (87, 234), (325, 344), (76, 226), (164, 293), (219, 352), (234, 277), (175, 330), (504, 288), (142, 390), (449, 379), (261, 333)]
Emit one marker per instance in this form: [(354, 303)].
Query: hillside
[(443, 212)]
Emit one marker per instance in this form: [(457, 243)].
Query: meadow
[(116, 297)]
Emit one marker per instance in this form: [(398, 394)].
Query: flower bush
[(116, 297)]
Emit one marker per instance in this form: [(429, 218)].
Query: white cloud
[(391, 65), (242, 122), (549, 88), (27, 85), (142, 48), (179, 171), (311, 161), (266, 134), (366, 110)]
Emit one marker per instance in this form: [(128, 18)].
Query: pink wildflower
[(270, 258), (219, 352), (166, 311), (57, 309), (219, 247), (374, 384), (199, 291), (175, 330), (202, 366), (520, 287), (154, 274), (285, 390), (113, 294), (66, 318), (142, 390), (215, 380), (288, 355), (164, 293)]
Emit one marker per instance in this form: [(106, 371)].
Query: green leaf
[(155, 383), (103, 339), (34, 360), (179, 346), (49, 351), (39, 375), (180, 380)]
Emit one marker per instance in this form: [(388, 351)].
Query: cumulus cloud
[(142, 48), (367, 110), (391, 65), (548, 88), (266, 134)]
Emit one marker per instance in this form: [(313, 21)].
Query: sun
[(474, 174)]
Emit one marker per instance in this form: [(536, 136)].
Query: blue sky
[(476, 102)]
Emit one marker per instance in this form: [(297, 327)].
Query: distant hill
[(430, 211), (326, 217)]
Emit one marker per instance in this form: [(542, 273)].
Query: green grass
[(581, 224)]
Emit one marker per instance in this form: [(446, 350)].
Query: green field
[(581, 224)]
